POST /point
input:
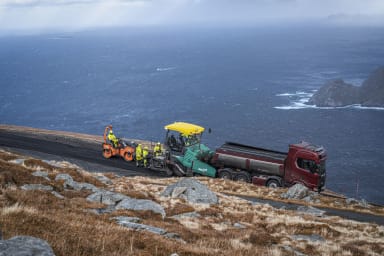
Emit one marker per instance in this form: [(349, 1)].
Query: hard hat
[(145, 147), (110, 131), (139, 145), (158, 143)]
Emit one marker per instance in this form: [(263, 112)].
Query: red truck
[(304, 163)]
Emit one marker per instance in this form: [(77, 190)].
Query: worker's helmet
[(158, 143), (145, 147), (110, 132), (139, 145)]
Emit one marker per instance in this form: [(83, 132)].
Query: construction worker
[(145, 156), (157, 149), (139, 155), (112, 138)]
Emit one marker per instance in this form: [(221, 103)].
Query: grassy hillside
[(233, 227)]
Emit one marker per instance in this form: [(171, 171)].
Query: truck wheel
[(225, 174), (168, 172), (127, 157), (243, 176), (107, 153), (273, 184)]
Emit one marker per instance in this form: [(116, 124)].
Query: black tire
[(273, 183), (243, 176), (107, 153), (168, 172), (225, 174), (125, 157)]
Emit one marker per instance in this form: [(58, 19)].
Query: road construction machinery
[(189, 155), (123, 148), (304, 163)]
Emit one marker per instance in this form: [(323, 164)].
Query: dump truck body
[(304, 163)]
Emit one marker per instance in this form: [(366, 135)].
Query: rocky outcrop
[(311, 211), (36, 187), (140, 205), (133, 223), (337, 93), (25, 245), (117, 201), (70, 183), (297, 191), (372, 90), (191, 190), (114, 201)]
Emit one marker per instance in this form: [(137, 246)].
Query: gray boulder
[(70, 183), (351, 201), (25, 246), (106, 197), (64, 176), (311, 210), (123, 202), (123, 219), (140, 205), (41, 174), (186, 215), (309, 238), (239, 225), (297, 191), (103, 179), (36, 187), (58, 195), (191, 190), (362, 203), (138, 226)]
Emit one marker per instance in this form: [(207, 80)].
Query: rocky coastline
[(338, 93)]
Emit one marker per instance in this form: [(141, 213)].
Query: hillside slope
[(61, 213)]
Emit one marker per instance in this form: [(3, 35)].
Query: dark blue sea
[(247, 84)]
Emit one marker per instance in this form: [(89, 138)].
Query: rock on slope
[(337, 93)]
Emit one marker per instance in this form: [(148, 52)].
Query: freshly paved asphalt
[(84, 153)]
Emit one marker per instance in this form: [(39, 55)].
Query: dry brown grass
[(6, 156), (71, 228)]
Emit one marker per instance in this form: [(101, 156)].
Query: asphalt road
[(83, 153)]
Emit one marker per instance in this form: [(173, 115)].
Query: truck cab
[(305, 164)]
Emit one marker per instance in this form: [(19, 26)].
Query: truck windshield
[(321, 167), (311, 165)]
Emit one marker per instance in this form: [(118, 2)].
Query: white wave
[(329, 72), (297, 105), (285, 94), (299, 99), (164, 69), (297, 94), (358, 106)]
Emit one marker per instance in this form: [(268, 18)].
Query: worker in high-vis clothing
[(145, 156), (157, 149), (139, 155), (112, 138)]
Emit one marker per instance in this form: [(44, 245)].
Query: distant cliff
[(337, 93)]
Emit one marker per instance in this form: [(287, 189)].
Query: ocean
[(247, 84)]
